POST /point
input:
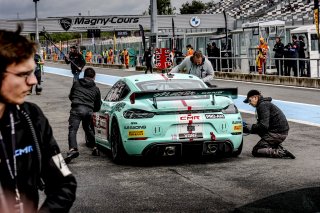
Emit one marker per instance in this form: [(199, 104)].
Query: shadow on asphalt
[(171, 161), (302, 200)]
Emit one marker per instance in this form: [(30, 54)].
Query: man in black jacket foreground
[(272, 126), (30, 158), (85, 99)]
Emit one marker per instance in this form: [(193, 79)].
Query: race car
[(168, 115)]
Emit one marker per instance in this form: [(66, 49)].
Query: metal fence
[(297, 67)]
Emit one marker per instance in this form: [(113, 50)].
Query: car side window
[(118, 92), (124, 92)]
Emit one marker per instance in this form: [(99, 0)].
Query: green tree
[(196, 7), (163, 6)]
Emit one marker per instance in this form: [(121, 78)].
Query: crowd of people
[(290, 57)]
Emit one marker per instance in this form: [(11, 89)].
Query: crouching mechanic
[(196, 65), (272, 126), (30, 158)]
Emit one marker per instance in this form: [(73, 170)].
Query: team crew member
[(190, 50), (77, 62), (85, 99), (148, 58), (196, 65), (29, 154), (272, 126), (38, 72)]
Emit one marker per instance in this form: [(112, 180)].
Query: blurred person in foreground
[(30, 157)]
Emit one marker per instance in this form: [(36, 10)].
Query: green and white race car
[(168, 115)]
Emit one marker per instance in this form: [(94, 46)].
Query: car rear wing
[(229, 92)]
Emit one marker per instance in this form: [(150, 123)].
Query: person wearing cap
[(77, 62), (261, 59), (272, 126), (278, 55)]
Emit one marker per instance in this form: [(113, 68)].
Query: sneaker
[(95, 152), (73, 153), (289, 154)]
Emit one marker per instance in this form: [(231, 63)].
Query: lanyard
[(12, 171)]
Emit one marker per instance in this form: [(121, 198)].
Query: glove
[(246, 127)]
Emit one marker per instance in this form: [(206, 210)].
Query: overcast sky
[(11, 9)]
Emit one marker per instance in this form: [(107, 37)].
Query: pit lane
[(190, 185)]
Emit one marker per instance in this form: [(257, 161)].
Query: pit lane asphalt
[(190, 185)]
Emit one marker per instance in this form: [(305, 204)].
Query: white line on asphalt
[(264, 84), (292, 120)]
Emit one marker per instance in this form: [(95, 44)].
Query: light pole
[(36, 16)]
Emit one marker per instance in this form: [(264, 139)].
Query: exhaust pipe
[(212, 148), (170, 151)]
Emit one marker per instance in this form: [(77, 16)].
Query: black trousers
[(269, 145), (279, 66), (78, 114), (149, 67)]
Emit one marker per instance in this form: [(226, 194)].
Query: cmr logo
[(26, 150), (65, 23), (189, 117)]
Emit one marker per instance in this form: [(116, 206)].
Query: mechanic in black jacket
[(272, 126), (30, 158), (85, 99), (77, 62)]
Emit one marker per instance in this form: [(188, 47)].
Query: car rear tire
[(117, 149), (238, 152)]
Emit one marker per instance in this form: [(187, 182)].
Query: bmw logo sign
[(195, 21)]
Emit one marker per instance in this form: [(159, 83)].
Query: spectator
[(302, 55), (261, 59), (278, 49), (295, 50)]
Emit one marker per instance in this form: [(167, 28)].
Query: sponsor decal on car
[(135, 133), (214, 116), (236, 122), (135, 127), (190, 135), (189, 117), (237, 128)]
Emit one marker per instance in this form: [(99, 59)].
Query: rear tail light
[(137, 114)]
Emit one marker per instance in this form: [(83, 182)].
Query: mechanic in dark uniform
[(38, 72), (85, 99), (30, 158), (278, 55), (77, 62), (272, 126), (148, 60)]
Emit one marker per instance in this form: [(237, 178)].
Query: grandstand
[(265, 10)]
